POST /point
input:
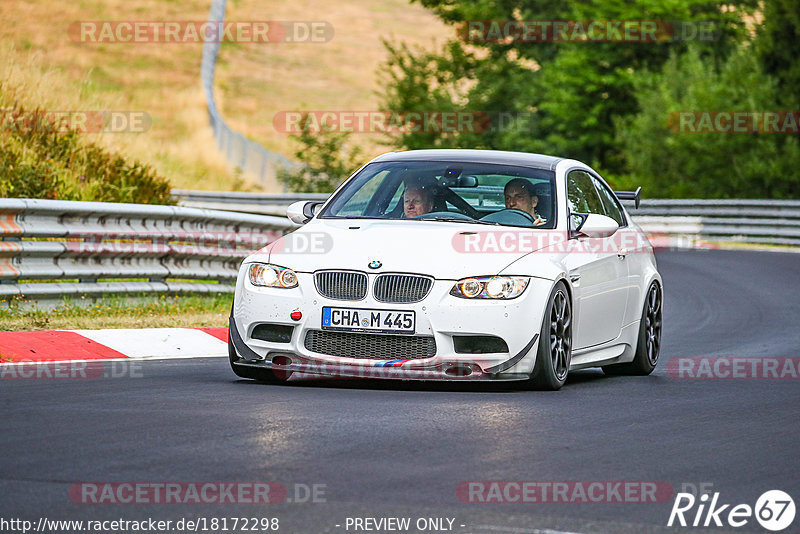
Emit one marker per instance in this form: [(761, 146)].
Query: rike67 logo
[(774, 510)]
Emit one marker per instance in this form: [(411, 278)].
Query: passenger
[(417, 201), (519, 194)]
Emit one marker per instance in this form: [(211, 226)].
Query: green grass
[(141, 311)]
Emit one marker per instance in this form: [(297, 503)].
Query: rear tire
[(648, 346), (267, 376), (554, 353)]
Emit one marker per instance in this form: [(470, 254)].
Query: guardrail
[(262, 203), (241, 152), (775, 222), (744, 220), (54, 248)]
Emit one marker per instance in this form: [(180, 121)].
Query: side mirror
[(302, 211), (595, 225)]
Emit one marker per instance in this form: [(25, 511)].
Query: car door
[(599, 277), (631, 248)]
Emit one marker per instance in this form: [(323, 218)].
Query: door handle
[(621, 253)]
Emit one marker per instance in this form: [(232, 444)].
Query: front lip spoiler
[(303, 365), (249, 358)]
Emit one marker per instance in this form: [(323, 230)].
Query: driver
[(519, 195), (417, 201)]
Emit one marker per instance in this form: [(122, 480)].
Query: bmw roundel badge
[(375, 264)]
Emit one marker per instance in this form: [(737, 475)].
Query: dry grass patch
[(254, 81)]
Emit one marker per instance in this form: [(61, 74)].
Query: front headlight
[(490, 287), (267, 275)]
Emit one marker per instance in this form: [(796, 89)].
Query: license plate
[(368, 320)]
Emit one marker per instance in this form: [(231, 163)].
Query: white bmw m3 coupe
[(453, 265)]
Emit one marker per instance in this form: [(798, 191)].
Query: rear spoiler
[(630, 195)]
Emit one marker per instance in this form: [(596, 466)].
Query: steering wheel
[(515, 211), (448, 214)]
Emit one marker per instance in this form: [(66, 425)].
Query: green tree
[(567, 94), (778, 47), (670, 163), (326, 161)]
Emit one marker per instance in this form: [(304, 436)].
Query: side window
[(610, 202), (397, 198), (582, 197)]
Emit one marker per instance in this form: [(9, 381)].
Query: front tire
[(267, 376), (554, 354), (648, 346)]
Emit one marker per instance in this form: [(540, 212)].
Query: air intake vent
[(341, 285), (370, 346), (402, 288), (277, 333)]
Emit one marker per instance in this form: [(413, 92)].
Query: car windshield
[(480, 193)]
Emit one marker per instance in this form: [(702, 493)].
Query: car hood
[(433, 248)]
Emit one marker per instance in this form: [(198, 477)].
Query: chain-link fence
[(249, 156)]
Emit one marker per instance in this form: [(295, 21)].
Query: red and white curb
[(90, 345)]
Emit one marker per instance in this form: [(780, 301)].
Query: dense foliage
[(327, 161), (39, 159), (696, 165), (609, 103)]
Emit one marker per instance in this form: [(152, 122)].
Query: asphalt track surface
[(401, 450)]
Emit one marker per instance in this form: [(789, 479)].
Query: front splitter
[(389, 370)]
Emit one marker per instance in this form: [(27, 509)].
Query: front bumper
[(439, 315)]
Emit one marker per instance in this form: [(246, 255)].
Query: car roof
[(524, 159)]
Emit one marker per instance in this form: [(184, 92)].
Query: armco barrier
[(54, 248), (748, 221), (263, 203), (775, 222)]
